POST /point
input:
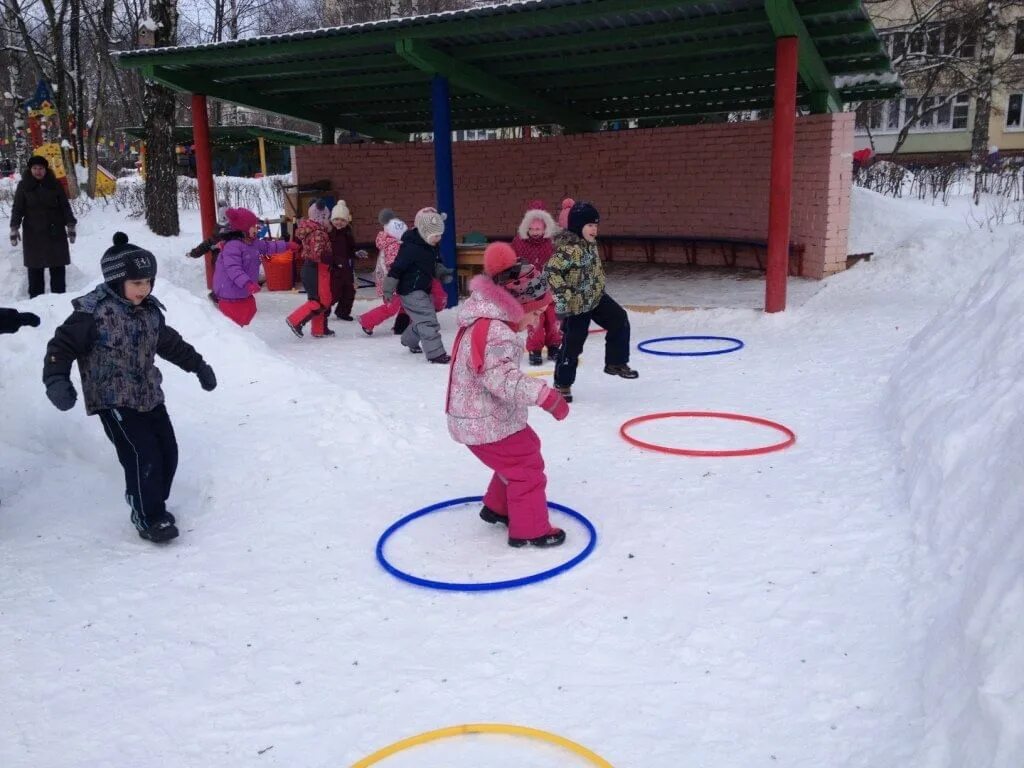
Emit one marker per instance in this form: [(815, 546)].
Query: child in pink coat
[(533, 244), (488, 395)]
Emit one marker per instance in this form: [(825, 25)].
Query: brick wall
[(707, 179)]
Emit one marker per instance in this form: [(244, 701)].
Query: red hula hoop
[(790, 435)]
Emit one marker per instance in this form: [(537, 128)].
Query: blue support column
[(444, 178)]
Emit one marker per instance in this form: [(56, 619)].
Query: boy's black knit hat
[(581, 214), (124, 261)]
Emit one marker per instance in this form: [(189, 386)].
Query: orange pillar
[(204, 174), (781, 201)]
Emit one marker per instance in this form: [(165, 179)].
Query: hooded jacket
[(535, 252), (488, 394), (575, 274), (415, 266)]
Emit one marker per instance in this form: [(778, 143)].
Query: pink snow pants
[(547, 332), (518, 486)]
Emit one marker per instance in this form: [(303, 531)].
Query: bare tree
[(159, 106)]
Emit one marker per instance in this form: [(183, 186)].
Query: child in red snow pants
[(316, 279), (241, 311), (546, 333), (518, 484)]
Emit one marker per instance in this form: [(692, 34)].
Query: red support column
[(204, 174), (781, 201)]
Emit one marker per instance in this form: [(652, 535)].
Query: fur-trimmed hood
[(550, 227), (491, 301)]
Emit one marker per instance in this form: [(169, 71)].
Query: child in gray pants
[(417, 264)]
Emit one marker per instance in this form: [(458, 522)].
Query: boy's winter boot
[(621, 370), (160, 532), (565, 392), (416, 350), (536, 358), (553, 538), (488, 515), (552, 353), (443, 359)]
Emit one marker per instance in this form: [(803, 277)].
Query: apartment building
[(944, 115)]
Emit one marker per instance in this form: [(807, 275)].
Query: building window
[(1018, 42), (940, 113), (938, 39), (1013, 111)]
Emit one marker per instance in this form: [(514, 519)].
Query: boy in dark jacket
[(115, 333), (415, 268)]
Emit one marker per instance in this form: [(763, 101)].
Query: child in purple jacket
[(236, 276)]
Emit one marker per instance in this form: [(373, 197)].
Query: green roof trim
[(576, 63), (233, 134)]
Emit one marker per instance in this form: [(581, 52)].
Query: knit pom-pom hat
[(241, 219), (124, 261), (341, 211), (499, 257), (385, 215), (319, 212), (563, 214)]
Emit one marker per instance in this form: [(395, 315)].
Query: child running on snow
[(576, 276), (236, 276), (533, 244), (343, 253), (417, 264), (115, 333), (313, 236), (488, 395), (388, 242)]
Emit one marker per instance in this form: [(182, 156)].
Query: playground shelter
[(581, 64)]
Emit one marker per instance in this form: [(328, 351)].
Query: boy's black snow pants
[(575, 328), (147, 450)]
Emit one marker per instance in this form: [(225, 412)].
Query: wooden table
[(469, 259)]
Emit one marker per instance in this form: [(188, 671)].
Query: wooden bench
[(729, 247)]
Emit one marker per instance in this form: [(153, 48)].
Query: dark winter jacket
[(343, 247), (115, 344), (42, 211), (415, 266), (215, 242)]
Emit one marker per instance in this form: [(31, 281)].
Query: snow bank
[(957, 403)]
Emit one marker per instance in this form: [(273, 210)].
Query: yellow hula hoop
[(470, 728)]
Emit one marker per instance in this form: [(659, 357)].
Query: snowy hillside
[(850, 602)]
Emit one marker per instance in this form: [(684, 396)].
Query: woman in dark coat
[(42, 211)]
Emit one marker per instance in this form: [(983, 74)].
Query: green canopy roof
[(233, 135), (577, 63)]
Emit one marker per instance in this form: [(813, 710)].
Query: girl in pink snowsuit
[(388, 241), (533, 244), (488, 395)]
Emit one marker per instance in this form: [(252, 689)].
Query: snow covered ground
[(853, 601)]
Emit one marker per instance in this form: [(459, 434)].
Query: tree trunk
[(161, 192), (988, 31)]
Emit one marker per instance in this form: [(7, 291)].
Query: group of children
[(542, 290)]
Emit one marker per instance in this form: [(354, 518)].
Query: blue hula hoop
[(363, 282), (737, 344), (485, 586)]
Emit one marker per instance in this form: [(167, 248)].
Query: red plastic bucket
[(278, 269)]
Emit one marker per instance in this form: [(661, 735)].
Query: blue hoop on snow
[(485, 586), (737, 344), (363, 282)]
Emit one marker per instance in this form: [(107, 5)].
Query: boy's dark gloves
[(28, 318), (207, 378), (61, 393), (388, 287)]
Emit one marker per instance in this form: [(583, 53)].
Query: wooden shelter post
[(444, 177), (204, 175), (781, 184)]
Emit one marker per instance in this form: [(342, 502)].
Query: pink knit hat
[(563, 215), (498, 257), (319, 212), (241, 219)]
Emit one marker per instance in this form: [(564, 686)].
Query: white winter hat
[(341, 211), (396, 228)]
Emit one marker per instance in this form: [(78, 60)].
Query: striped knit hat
[(124, 261)]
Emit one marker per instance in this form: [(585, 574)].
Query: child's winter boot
[(552, 353), (443, 359), (536, 358), (488, 515), (552, 538), (621, 370), (565, 392), (160, 532)]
